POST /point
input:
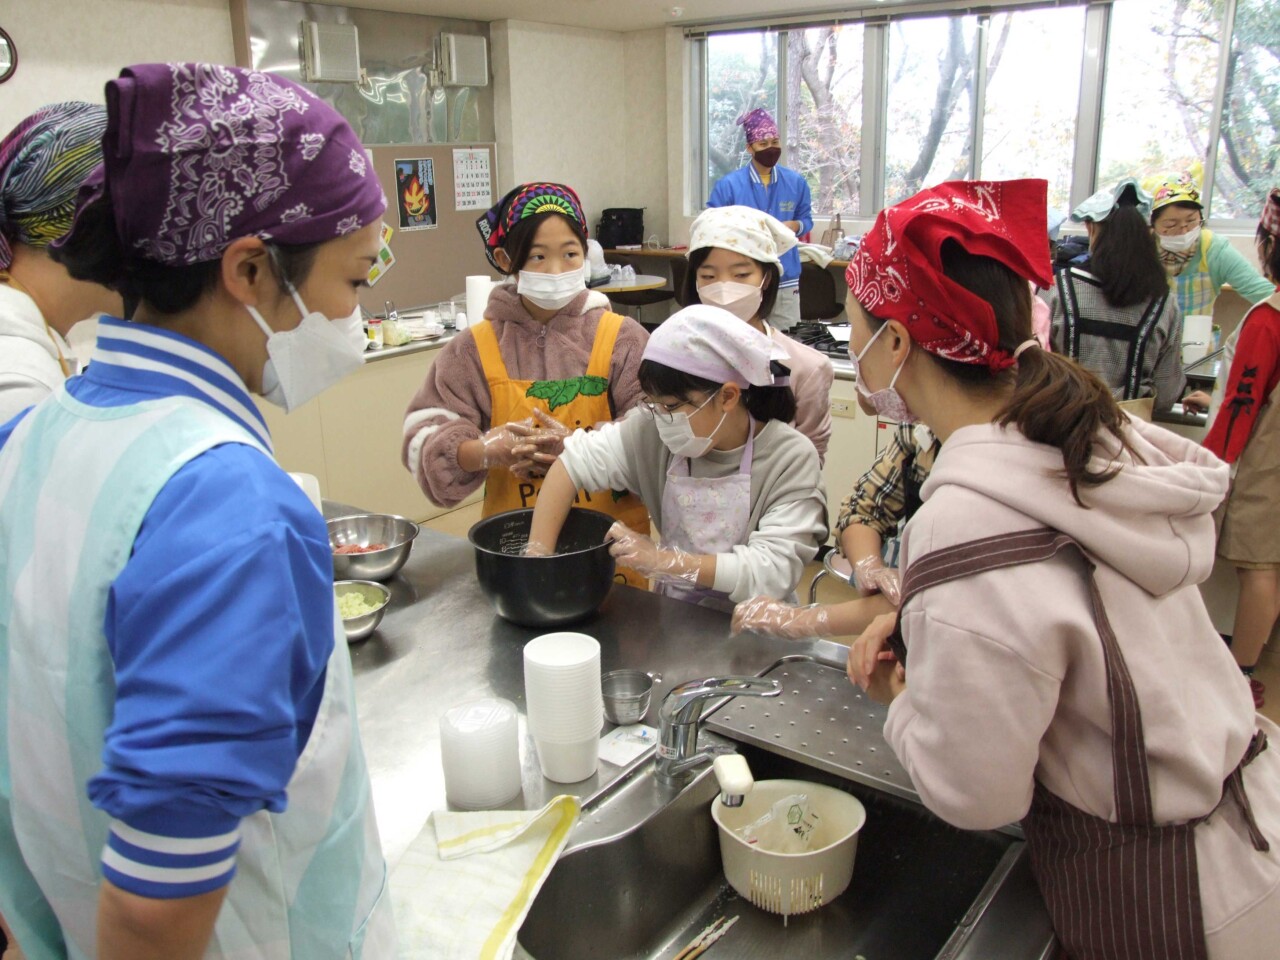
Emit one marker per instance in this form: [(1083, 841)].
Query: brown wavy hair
[(1055, 401)]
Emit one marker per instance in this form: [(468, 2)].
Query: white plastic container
[(791, 883), (480, 753)]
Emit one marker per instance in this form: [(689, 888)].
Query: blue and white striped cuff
[(166, 868)]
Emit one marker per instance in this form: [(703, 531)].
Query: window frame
[(1090, 97)]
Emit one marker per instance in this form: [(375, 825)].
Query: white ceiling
[(620, 15)]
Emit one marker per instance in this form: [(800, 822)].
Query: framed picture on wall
[(416, 194)]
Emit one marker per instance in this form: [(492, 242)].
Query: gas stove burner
[(816, 335)]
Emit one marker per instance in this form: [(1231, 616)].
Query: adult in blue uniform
[(180, 770), (778, 191)]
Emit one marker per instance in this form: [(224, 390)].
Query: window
[(1248, 159), (1029, 118), (1162, 71), (824, 113), (1080, 93), (931, 103), (741, 75)]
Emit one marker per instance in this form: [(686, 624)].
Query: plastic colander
[(791, 883)]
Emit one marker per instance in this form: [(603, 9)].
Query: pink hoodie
[(1005, 679)]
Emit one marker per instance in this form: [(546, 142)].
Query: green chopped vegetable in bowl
[(361, 604)]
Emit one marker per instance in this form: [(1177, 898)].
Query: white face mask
[(307, 360), (888, 402), (740, 299), (551, 291), (1182, 242), (678, 436)]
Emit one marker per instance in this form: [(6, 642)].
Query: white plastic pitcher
[(791, 883)]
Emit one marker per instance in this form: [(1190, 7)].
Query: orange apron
[(575, 402)]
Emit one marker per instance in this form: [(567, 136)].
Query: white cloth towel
[(463, 887), (816, 253)]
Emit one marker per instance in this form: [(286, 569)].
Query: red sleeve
[(1253, 377)]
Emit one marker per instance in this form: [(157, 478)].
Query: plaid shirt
[(879, 499)]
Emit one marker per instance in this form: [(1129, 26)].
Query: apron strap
[(1234, 788), (601, 361), (495, 371), (1128, 754)]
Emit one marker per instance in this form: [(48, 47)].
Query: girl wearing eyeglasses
[(736, 492)]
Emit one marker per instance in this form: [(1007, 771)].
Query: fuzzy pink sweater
[(453, 403)]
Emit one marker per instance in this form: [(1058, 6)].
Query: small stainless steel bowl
[(357, 628), (626, 695), (366, 528)]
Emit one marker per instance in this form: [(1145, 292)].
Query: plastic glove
[(774, 618), (532, 549), (500, 443), (641, 554), (540, 445), (872, 576), (872, 665)]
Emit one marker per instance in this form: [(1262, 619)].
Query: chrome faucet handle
[(683, 703), (678, 751)]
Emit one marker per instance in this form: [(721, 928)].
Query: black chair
[(679, 270), (819, 295), (639, 299)]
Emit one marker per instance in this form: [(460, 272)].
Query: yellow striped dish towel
[(463, 887)]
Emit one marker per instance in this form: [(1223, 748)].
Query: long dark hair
[(1055, 401), (769, 296), (1124, 258), (763, 403), (94, 252)]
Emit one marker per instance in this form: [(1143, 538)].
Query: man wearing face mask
[(776, 190), (161, 800)]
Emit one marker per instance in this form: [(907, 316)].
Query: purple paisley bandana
[(197, 155), (758, 125)]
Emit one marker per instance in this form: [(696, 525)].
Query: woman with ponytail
[(1053, 662)]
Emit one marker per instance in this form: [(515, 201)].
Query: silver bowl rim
[(416, 529), (386, 597)]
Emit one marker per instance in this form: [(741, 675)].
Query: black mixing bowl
[(544, 591)]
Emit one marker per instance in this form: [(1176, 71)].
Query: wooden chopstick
[(700, 944)]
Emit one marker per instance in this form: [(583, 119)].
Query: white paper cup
[(480, 753), (569, 762), (562, 687)]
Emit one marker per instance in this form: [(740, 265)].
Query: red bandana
[(897, 272), (1270, 219)]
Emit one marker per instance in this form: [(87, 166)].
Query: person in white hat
[(735, 490), (735, 262)]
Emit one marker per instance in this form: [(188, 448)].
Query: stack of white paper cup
[(566, 709), (480, 751)]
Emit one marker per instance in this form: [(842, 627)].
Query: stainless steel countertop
[(441, 643)]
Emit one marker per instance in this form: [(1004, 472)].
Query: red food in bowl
[(356, 548)]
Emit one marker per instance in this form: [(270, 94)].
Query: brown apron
[(1128, 889), (1249, 528)]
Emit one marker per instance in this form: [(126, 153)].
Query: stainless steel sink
[(920, 889)]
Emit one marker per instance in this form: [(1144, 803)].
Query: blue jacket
[(786, 197)]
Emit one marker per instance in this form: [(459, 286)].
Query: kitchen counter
[(441, 643)]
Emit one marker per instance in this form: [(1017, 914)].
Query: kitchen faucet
[(678, 751)]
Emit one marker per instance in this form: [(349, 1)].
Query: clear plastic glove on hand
[(872, 576), (641, 554), (540, 445), (500, 443), (535, 549), (774, 618)]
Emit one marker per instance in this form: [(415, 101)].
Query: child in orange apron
[(550, 357)]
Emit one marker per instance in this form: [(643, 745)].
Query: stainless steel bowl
[(626, 695), (357, 628), (366, 528)]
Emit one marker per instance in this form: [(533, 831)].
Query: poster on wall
[(416, 194), (472, 182), (386, 259)]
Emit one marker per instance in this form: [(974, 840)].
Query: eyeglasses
[(666, 412)]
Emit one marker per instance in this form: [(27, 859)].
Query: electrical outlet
[(844, 408)]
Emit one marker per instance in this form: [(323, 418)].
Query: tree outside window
[(824, 114), (1029, 118), (931, 103), (1248, 163), (742, 74)]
